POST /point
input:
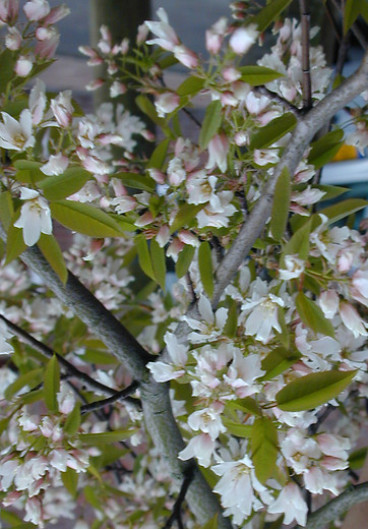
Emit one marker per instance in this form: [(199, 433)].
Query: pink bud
[(163, 235), (9, 11), (243, 38), (36, 9), (144, 220), (186, 56), (23, 66), (56, 14), (166, 103)]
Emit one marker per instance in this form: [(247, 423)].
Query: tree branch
[(119, 395), (337, 507), (176, 514), (304, 131), (307, 84)]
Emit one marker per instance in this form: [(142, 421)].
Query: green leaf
[(148, 108), (7, 61), (27, 164), (70, 481), (280, 205), (205, 268), (136, 181), (273, 131), (343, 209), (278, 361), (158, 156), (158, 259), (357, 458), (312, 316), (6, 209), (31, 378), (73, 420), (258, 75), (231, 324), (331, 191), (313, 390), (185, 215), (144, 256), (54, 256), (299, 242), (212, 523), (211, 123), (15, 244), (184, 260), (324, 149), (191, 86), (237, 429), (58, 187), (247, 405), (354, 8), (85, 219), (264, 446), (270, 13), (105, 437), (51, 384)]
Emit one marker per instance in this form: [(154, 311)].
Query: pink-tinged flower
[(218, 149), (13, 39), (124, 203), (166, 103), (9, 11), (94, 85), (243, 372), (256, 104), (167, 37), (66, 399), (23, 66), (34, 512), (56, 165), (241, 138), (178, 353), (291, 503), (16, 135), (329, 303), (174, 249), (156, 175), (47, 42), (294, 267), (163, 235), (263, 317), (144, 220), (215, 35), (186, 56), (7, 472), (218, 212), (56, 14), (359, 287), (117, 89), (62, 108), (265, 156), (231, 74), (207, 421), (334, 445), (35, 216), (243, 38), (352, 320), (188, 237), (36, 9), (317, 480), (37, 101), (211, 324), (201, 447)]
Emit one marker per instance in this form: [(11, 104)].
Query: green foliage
[(211, 123), (51, 384)]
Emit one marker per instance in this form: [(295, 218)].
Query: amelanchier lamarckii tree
[(231, 391)]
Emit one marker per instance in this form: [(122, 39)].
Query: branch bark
[(304, 131)]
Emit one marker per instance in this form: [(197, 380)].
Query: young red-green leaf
[(144, 256), (280, 205), (270, 13), (136, 181), (15, 244), (73, 420), (184, 260), (191, 86), (278, 361), (264, 446), (273, 131), (258, 75), (158, 156), (85, 219), (211, 123), (105, 437), (343, 209), (312, 390), (185, 215), (51, 384), (6, 209), (312, 316), (325, 148), (70, 481), (53, 255), (58, 187), (158, 259), (205, 268)]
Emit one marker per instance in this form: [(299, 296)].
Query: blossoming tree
[(227, 389)]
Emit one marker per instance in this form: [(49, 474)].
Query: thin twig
[(354, 28), (192, 117), (176, 514), (48, 352), (119, 395), (276, 98), (306, 83)]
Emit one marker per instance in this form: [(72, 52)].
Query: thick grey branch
[(304, 131), (337, 507)]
